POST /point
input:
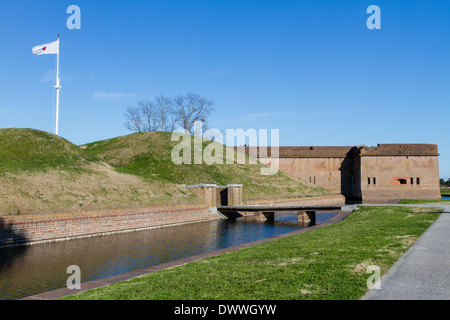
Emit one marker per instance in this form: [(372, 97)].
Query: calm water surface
[(30, 270)]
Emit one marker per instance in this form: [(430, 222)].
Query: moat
[(29, 270)]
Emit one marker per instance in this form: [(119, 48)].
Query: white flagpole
[(57, 86)]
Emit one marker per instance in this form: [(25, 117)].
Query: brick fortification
[(18, 230), (385, 173), (23, 230)]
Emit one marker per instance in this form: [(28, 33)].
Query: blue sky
[(310, 68)]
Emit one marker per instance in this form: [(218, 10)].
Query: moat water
[(29, 270)]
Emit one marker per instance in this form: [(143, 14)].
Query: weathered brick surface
[(16, 230), (51, 227), (348, 170), (309, 201), (389, 170)]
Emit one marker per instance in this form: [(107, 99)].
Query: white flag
[(49, 48)]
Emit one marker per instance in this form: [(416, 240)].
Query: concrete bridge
[(305, 214), (226, 201)]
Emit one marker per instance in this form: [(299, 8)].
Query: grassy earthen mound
[(149, 155), (43, 173)]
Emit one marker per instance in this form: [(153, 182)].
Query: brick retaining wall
[(308, 201), (19, 230), (16, 230)]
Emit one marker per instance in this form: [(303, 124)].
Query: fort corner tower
[(399, 171)]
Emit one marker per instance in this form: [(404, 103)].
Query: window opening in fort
[(368, 180), (412, 180), (402, 181), (418, 180), (374, 180)]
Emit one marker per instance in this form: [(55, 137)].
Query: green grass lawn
[(423, 201), (326, 263), (445, 192)]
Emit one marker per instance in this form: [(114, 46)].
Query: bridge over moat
[(226, 201), (305, 214)]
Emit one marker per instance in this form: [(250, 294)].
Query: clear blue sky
[(310, 68)]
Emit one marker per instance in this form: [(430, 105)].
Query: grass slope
[(149, 155), (37, 151), (44, 173), (326, 263), (424, 201)]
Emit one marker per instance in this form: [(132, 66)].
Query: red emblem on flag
[(43, 49)]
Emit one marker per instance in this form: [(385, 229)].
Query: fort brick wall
[(324, 172), (16, 230), (22, 230), (346, 170), (309, 201), (386, 178)]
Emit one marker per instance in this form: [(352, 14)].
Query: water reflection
[(25, 271)]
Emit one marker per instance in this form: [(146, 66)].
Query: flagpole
[(57, 86)]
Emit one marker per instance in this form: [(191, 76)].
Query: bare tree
[(191, 108), (134, 119), (165, 113), (142, 118), (148, 114)]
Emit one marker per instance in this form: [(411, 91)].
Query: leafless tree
[(142, 118), (165, 113), (190, 108), (148, 114), (134, 119)]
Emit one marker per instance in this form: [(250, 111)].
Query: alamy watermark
[(74, 281), (373, 282), (374, 21), (74, 21), (235, 148)]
